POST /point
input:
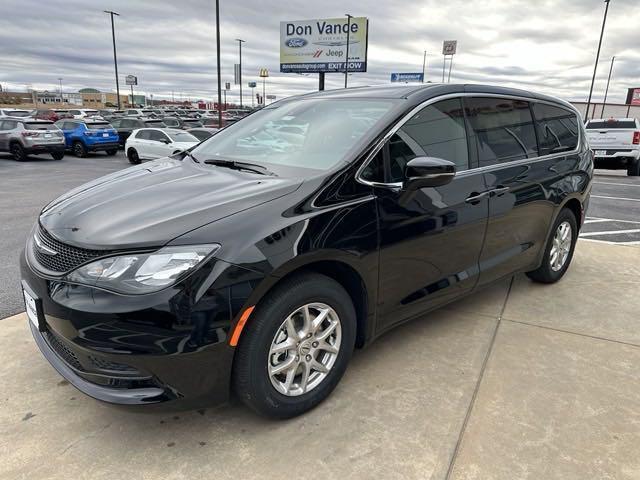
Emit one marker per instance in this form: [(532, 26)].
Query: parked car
[(63, 113), (203, 133), (14, 113), (182, 122), (23, 137), (137, 112), (243, 264), (44, 114), (212, 122), (616, 143), (152, 143), (125, 125), (83, 113), (89, 135)]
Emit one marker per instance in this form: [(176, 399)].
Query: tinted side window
[(115, 123), (440, 132), (144, 134), (9, 125), (157, 136), (557, 128), (503, 129)]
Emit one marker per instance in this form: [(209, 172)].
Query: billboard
[(321, 45), (633, 96), (407, 77), (131, 80), (449, 47)]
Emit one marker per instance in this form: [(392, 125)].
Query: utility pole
[(115, 57), (424, 64), (595, 67), (346, 63), (240, 42), (606, 92), (218, 63), (60, 80)]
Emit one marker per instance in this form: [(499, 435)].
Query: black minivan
[(257, 261)]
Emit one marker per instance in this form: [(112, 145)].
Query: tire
[(79, 150), (254, 382), (634, 169), (551, 271), (57, 155), (133, 157), (18, 153), (111, 153)]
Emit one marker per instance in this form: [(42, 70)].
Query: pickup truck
[(615, 143)]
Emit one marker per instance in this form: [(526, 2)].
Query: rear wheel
[(57, 155), (634, 169), (296, 346), (111, 153), (17, 150), (559, 249), (79, 150)]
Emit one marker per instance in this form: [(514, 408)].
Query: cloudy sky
[(545, 45)]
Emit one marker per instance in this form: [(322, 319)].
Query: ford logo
[(296, 42)]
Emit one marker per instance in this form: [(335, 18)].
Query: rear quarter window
[(557, 127)]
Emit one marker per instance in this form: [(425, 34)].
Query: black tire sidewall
[(79, 150), (545, 273), (58, 155), (253, 353), (17, 151), (133, 156)]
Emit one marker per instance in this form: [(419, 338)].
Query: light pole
[(115, 57), (424, 64), (595, 67), (60, 80), (346, 63), (240, 42), (218, 63), (606, 91)]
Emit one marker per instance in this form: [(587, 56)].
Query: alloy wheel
[(561, 246), (304, 349)]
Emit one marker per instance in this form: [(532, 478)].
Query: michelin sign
[(321, 45)]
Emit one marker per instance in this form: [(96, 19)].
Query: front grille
[(66, 257), (63, 351), (104, 364)]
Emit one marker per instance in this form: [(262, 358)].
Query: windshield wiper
[(235, 165), (188, 154)]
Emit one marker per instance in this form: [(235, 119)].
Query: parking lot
[(519, 381)]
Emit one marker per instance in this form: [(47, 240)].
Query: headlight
[(145, 272)]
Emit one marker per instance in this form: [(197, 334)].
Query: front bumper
[(143, 349)]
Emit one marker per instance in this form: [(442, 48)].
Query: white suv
[(615, 143), (151, 143)]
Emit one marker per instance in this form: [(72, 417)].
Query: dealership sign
[(321, 45), (633, 96), (131, 80), (407, 77)]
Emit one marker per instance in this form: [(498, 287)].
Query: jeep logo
[(295, 42)]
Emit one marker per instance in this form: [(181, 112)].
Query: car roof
[(418, 93)]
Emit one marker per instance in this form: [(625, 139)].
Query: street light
[(595, 67), (424, 64), (346, 63), (115, 57), (240, 42), (606, 91), (218, 62), (60, 80)]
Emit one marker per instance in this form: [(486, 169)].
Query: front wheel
[(559, 249), (133, 157), (295, 347), (18, 153), (57, 155)]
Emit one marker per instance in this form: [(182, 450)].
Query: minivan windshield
[(308, 133)]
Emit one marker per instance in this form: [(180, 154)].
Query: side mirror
[(422, 172)]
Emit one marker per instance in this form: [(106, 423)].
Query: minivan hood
[(150, 204)]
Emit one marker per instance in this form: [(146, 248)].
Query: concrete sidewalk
[(519, 381)]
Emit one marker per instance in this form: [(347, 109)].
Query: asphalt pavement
[(25, 187)]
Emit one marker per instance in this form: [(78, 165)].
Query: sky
[(547, 46)]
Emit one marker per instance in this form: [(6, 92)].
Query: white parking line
[(609, 232), (617, 198), (600, 219), (608, 242), (621, 184)]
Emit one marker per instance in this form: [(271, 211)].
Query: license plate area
[(33, 307), (600, 152)]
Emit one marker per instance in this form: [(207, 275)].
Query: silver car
[(22, 137)]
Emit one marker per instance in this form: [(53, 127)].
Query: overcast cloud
[(547, 46)]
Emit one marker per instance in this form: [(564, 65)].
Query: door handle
[(498, 191), (476, 198)]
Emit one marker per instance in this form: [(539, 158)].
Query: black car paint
[(397, 255)]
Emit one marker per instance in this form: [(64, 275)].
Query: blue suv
[(84, 136)]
